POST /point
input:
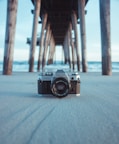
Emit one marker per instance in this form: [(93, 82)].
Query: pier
[(59, 20)]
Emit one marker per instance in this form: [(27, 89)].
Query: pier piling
[(46, 43), (74, 23), (51, 51), (41, 46), (72, 47), (37, 4), (10, 36), (105, 36), (81, 13)]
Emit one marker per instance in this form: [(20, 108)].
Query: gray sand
[(27, 118)]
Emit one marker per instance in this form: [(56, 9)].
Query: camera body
[(59, 83)]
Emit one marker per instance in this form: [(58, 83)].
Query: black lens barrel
[(60, 84)]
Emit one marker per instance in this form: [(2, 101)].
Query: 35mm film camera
[(59, 83)]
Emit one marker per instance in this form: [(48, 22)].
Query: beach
[(29, 118)]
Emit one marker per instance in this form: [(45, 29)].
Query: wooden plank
[(10, 36)]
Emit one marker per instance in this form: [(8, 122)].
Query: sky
[(93, 38)]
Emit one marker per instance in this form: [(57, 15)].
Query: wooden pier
[(59, 21)]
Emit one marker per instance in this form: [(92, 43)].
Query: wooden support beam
[(72, 47), (65, 55), (74, 23), (81, 13), (51, 51), (46, 43), (48, 47), (68, 47), (45, 16), (105, 37), (10, 36), (37, 5), (65, 51)]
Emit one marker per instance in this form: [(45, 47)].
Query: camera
[(59, 83)]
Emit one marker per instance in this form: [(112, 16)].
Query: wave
[(93, 66)]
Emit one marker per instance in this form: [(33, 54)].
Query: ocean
[(23, 66)]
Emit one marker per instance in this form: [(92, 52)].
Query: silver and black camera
[(59, 83)]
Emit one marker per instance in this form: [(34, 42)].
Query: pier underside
[(59, 16)]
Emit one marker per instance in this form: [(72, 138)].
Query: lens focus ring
[(60, 87)]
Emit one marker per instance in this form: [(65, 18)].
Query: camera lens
[(60, 87), (60, 84)]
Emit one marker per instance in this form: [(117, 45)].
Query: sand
[(28, 118)]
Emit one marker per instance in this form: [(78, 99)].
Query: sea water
[(23, 66)]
